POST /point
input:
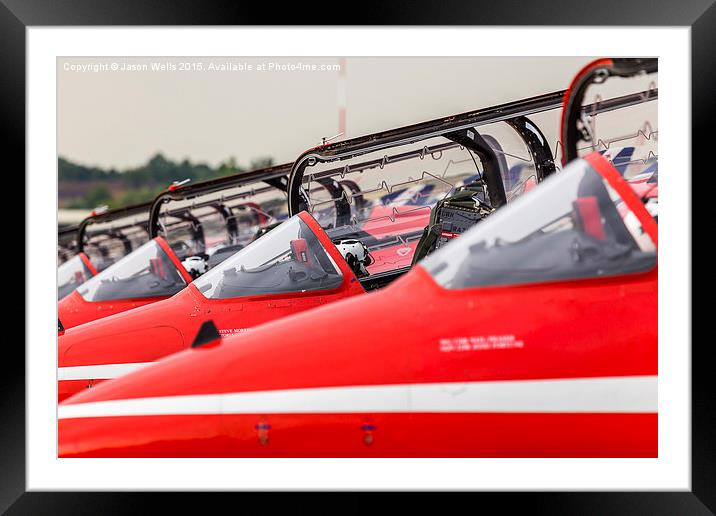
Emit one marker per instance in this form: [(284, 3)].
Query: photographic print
[(357, 257), (414, 248), (344, 257)]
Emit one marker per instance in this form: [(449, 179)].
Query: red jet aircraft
[(147, 275), (265, 281), (532, 335), (101, 239), (113, 346), (292, 268), (195, 227)]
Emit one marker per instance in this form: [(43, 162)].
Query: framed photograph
[(262, 281)]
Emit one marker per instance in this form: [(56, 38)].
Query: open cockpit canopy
[(625, 132), (380, 188), (107, 236), (214, 219)]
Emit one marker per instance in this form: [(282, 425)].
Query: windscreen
[(147, 272), (385, 197), (573, 226), (71, 275), (289, 258)]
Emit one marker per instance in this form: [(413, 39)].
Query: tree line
[(86, 187)]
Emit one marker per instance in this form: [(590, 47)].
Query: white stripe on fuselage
[(98, 372), (624, 394)]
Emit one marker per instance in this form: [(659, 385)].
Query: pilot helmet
[(195, 266), (356, 254)]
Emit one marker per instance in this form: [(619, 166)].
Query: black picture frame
[(17, 15)]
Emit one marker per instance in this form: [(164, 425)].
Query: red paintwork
[(343, 435), (588, 328), (74, 310), (151, 332)]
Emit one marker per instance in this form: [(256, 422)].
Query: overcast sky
[(119, 118)]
